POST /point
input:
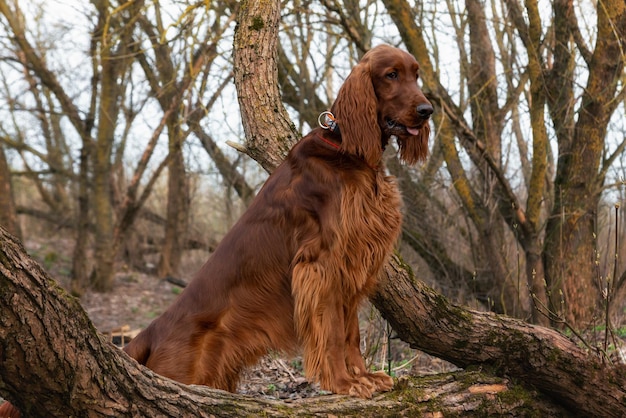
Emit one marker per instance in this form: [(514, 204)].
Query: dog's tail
[(139, 347)]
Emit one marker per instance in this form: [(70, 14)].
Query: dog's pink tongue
[(413, 131)]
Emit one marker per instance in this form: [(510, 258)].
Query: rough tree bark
[(269, 131)]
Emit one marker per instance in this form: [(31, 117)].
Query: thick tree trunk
[(102, 275), (80, 275), (54, 363), (269, 131), (177, 208), (115, 60)]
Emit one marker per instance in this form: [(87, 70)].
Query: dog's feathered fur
[(294, 268)]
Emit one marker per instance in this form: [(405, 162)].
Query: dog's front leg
[(379, 381), (320, 324)]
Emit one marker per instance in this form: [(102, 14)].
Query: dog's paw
[(362, 386), (361, 389), (380, 381), (357, 387)]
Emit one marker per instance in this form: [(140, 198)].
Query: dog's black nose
[(425, 110)]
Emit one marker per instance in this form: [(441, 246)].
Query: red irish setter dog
[(292, 271)]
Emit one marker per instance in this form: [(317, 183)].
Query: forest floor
[(138, 298)]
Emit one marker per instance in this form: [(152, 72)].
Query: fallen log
[(538, 357), (54, 363)]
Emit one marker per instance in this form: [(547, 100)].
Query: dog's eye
[(392, 75)]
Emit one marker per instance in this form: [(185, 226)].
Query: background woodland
[(121, 134), (120, 130)]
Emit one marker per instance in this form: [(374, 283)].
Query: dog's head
[(379, 99)]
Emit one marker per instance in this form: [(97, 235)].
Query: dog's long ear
[(414, 149), (357, 116)]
